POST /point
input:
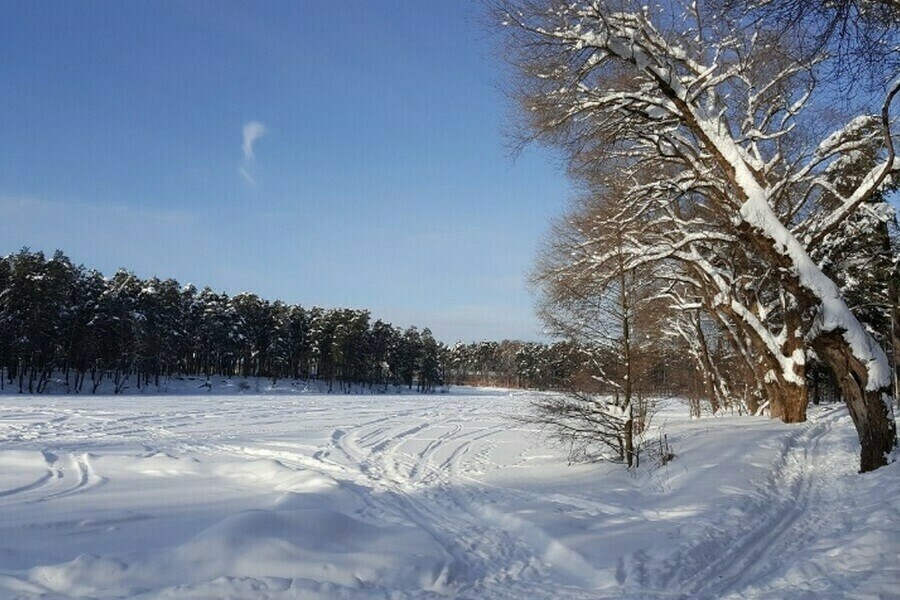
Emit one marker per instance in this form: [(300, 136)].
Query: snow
[(847, 134), (834, 315), (633, 38), (407, 496)]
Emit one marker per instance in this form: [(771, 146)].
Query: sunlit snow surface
[(406, 496)]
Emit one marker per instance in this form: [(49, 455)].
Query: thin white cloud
[(252, 132), (247, 176)]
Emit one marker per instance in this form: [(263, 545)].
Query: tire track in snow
[(481, 551), (415, 465), (494, 554), (524, 536), (40, 482), (87, 478), (423, 460), (52, 473)]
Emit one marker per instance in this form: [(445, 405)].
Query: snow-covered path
[(799, 504), (425, 496)]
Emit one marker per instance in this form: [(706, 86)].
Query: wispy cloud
[(246, 175), (252, 132)]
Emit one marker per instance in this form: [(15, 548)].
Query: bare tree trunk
[(815, 398), (868, 409), (795, 395), (895, 335), (710, 381), (625, 305), (628, 433)]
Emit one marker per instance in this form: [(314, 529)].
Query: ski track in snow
[(777, 521), (441, 466), (423, 486)]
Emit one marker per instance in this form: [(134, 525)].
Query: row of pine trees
[(59, 320), (70, 326)]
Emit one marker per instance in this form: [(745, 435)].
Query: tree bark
[(871, 416), (629, 435), (895, 333), (794, 399)]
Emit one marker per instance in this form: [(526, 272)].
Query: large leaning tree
[(719, 158)]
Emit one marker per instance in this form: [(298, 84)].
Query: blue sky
[(378, 175)]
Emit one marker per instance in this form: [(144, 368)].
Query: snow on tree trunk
[(869, 409), (702, 123)]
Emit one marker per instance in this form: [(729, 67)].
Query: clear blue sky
[(381, 178)]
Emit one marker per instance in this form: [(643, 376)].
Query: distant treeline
[(74, 327)]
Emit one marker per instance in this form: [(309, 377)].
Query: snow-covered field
[(327, 496)]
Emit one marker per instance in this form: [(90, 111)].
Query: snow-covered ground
[(406, 496)]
